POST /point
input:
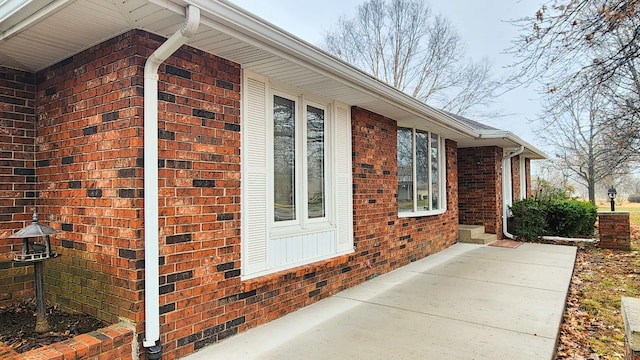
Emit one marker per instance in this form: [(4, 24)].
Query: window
[(421, 177), (284, 160), (307, 184), (315, 163), (296, 178)]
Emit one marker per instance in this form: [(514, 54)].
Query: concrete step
[(475, 234), (483, 239), (468, 232)]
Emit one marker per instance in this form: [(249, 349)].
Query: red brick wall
[(480, 188), (381, 236), (17, 177), (383, 242), (515, 178), (113, 342), (90, 158), (90, 179), (615, 230)]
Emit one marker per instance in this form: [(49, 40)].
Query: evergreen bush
[(533, 218)]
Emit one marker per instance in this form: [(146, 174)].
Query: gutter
[(506, 178), (151, 247)]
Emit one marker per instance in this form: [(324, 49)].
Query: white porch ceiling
[(47, 31)]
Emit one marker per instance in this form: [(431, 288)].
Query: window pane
[(435, 172), (284, 155), (315, 162), (405, 170), (422, 168)]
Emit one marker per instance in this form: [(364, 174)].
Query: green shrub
[(571, 218), (533, 218), (635, 198), (529, 219)]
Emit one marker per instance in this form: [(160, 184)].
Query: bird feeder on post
[(611, 193), (36, 252)]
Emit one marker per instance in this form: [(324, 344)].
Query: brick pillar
[(480, 188), (631, 317), (615, 230)]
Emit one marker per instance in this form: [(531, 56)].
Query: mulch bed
[(18, 321)]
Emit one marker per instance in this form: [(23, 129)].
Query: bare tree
[(402, 43), (576, 46), (585, 150)]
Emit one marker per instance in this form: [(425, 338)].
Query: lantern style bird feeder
[(36, 252), (612, 197)]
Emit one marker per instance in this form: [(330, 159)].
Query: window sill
[(421, 213), (294, 272)]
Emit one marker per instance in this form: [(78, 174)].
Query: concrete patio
[(467, 302)]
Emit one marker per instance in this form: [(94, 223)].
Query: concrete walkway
[(467, 302)]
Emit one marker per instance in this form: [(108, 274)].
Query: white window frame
[(328, 170), (269, 246), (442, 176), (302, 223)]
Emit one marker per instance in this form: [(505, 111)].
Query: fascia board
[(516, 140)]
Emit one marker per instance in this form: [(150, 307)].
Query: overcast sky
[(482, 24)]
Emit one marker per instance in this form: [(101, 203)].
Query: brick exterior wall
[(480, 188), (88, 159), (515, 178), (88, 154), (17, 177), (381, 237), (615, 230), (113, 342)]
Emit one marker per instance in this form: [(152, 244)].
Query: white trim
[(297, 174), (523, 178), (507, 192), (294, 265), (254, 178), (442, 193), (327, 173), (301, 241)]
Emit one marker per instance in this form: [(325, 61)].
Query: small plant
[(635, 198)]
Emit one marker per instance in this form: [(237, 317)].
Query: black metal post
[(42, 326), (613, 205)]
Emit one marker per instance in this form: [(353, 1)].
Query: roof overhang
[(505, 140), (36, 34)]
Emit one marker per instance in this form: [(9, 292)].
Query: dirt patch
[(17, 328), (592, 326)]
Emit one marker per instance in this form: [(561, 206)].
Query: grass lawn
[(632, 208), (592, 326)]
